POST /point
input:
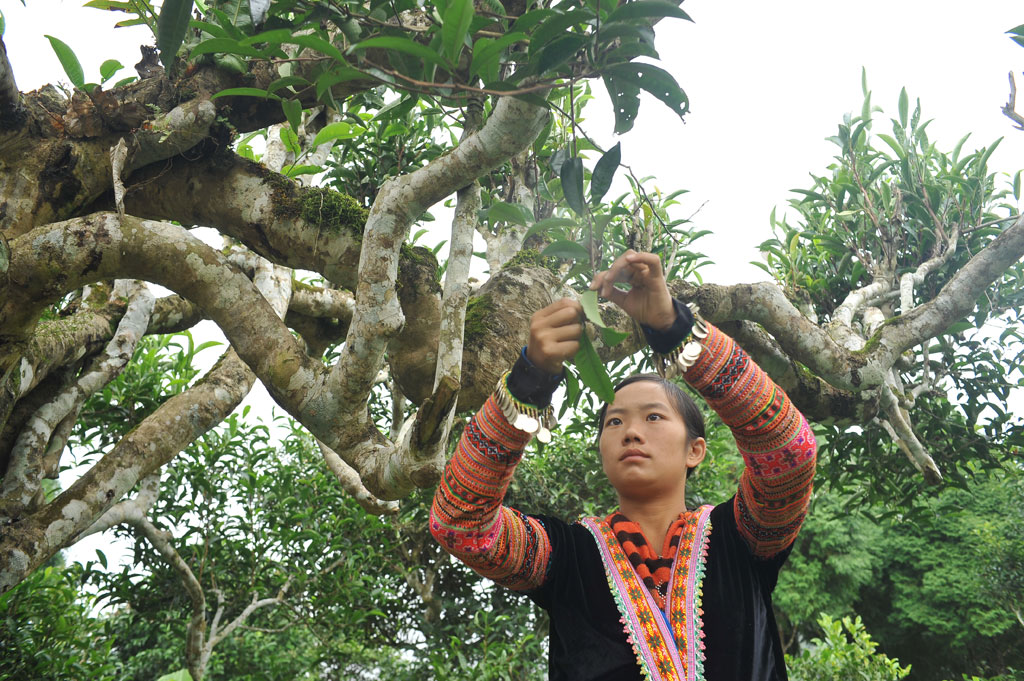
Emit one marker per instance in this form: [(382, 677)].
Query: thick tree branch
[(55, 178), (956, 299), (12, 111), (348, 477), (28, 543), (816, 398), (910, 280), (25, 473), (302, 228)]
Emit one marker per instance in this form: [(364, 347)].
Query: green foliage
[(847, 653), (457, 50), (46, 632), (161, 367), (171, 26), (947, 579), (887, 204)]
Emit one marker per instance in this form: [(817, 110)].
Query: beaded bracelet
[(684, 356), (525, 417)]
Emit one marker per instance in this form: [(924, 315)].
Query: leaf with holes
[(625, 98), (655, 80)]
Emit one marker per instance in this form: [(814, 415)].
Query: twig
[(1010, 108)]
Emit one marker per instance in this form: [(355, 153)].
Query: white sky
[(767, 82)]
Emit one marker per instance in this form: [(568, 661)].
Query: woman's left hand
[(648, 300)]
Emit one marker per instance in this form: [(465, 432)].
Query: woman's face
[(645, 450)]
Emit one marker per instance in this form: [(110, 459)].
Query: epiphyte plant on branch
[(96, 186)]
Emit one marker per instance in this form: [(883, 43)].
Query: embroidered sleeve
[(467, 517), (775, 439)]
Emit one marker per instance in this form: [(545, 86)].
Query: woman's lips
[(633, 454)]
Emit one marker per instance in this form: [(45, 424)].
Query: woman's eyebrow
[(641, 407)]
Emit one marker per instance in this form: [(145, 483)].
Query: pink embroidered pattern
[(667, 649)]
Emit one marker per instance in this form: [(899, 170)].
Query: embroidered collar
[(668, 643)]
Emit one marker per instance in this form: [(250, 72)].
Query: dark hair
[(684, 405)]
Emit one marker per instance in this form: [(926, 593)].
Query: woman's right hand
[(554, 334)]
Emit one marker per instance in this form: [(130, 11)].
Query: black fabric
[(667, 340), (587, 640), (530, 384)]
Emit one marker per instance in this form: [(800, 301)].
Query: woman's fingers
[(554, 334)]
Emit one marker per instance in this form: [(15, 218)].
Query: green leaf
[(290, 140), (68, 61), (275, 37), (904, 107), (643, 9), (559, 51), (528, 20), (487, 51), (288, 81), (102, 556), (317, 43), (612, 336), (454, 26), (171, 26), (625, 102), (293, 112), (988, 152), (223, 46), (509, 212), (592, 372), (295, 171), (401, 45), (548, 224), (329, 79), (572, 184), (567, 250), (335, 131), (655, 80), (180, 675), (893, 144), (591, 309), (109, 68), (246, 91), (555, 27), (604, 171)]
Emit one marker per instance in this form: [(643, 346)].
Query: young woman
[(654, 590)]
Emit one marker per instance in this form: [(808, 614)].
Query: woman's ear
[(695, 452)]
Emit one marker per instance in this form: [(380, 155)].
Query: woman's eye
[(612, 422), (654, 417)]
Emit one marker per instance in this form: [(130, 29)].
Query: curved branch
[(956, 299), (28, 543), (25, 472), (898, 426), (816, 398), (303, 228), (348, 477)]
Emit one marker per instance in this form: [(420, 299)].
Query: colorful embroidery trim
[(667, 649)]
